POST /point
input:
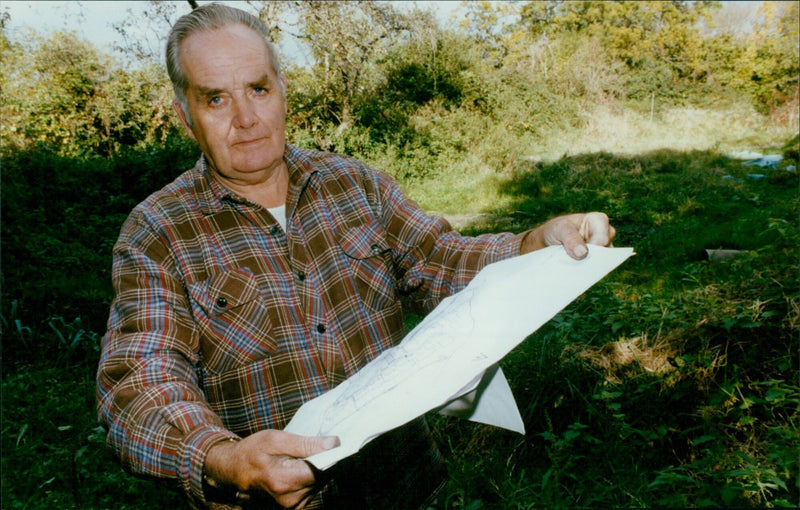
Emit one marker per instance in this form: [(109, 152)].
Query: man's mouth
[(245, 143)]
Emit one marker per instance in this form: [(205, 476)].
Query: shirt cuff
[(512, 246), (192, 457)]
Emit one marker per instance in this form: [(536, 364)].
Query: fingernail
[(581, 251)]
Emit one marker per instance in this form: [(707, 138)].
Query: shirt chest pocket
[(233, 320), (369, 259)]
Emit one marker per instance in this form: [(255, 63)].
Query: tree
[(346, 38), (776, 66), (144, 33), (61, 92), (762, 61), (493, 25), (633, 31)]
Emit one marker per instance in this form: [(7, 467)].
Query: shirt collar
[(212, 195), (301, 169)]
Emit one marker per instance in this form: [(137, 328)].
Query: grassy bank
[(467, 176)]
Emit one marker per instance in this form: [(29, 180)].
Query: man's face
[(236, 102)]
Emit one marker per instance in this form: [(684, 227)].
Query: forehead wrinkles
[(222, 58)]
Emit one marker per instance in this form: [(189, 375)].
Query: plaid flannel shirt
[(223, 324)]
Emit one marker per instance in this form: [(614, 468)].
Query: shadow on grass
[(671, 206), (673, 381)]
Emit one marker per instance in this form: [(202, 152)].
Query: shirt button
[(222, 302), (274, 230), (321, 328), (375, 249), (301, 276)]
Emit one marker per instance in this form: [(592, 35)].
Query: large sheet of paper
[(449, 361)]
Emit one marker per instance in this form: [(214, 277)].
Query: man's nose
[(244, 114)]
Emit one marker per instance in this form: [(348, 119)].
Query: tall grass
[(464, 179)]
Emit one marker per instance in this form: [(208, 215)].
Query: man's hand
[(269, 461), (573, 231)]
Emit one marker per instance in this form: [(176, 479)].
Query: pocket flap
[(225, 291), (363, 241)]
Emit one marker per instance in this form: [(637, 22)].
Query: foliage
[(667, 48), (672, 383), (60, 92), (54, 453), (431, 66), (61, 217), (345, 38)]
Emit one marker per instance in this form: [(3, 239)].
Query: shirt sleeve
[(148, 397), (433, 261)]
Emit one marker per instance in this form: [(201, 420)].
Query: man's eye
[(214, 101), (260, 90)]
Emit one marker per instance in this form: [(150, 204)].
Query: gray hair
[(205, 19)]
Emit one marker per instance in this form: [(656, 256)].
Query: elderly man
[(261, 279)]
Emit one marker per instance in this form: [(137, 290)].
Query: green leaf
[(730, 493), (775, 394), (546, 477), (747, 420), (22, 433), (703, 439)]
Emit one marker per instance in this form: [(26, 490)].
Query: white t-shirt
[(279, 213)]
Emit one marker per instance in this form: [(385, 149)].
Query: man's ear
[(284, 85), (181, 115)]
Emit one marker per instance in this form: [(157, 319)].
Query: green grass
[(677, 391), (54, 454), (466, 174), (672, 383)]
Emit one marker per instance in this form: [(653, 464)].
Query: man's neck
[(268, 192)]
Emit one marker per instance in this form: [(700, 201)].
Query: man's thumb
[(306, 446), (574, 244)]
